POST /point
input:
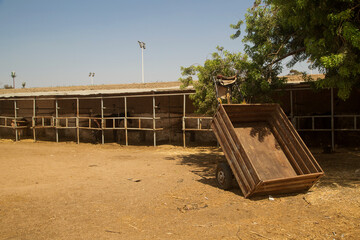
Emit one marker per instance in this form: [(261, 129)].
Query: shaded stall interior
[(146, 119)]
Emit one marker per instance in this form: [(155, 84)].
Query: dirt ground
[(69, 191)]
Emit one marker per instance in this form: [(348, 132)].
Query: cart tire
[(224, 176)]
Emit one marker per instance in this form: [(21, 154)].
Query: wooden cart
[(264, 152)]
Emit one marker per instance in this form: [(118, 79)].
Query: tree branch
[(286, 55)]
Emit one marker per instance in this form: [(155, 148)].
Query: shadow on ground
[(341, 169), (204, 165)]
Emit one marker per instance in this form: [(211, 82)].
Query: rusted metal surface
[(263, 149)]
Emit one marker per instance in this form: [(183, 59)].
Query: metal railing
[(296, 120), (199, 123), (9, 122)]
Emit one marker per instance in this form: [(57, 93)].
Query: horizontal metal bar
[(89, 98), (208, 118), (325, 116), (195, 129)]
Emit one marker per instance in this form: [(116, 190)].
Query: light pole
[(13, 75), (91, 76), (142, 46)]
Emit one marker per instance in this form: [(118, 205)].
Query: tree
[(253, 84), (295, 72), (326, 32)]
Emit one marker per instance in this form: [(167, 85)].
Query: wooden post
[(33, 119), (125, 121), (102, 121), (183, 121), (15, 123), (332, 121), (77, 121), (56, 120), (154, 127)]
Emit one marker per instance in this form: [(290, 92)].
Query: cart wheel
[(224, 176)]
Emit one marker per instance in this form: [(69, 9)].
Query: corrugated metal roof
[(91, 92)]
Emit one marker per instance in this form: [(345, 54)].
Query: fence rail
[(354, 125)]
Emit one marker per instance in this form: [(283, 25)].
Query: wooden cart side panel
[(230, 157), (254, 174), (289, 189), (300, 148), (291, 144), (285, 180), (233, 156), (286, 149), (287, 185), (245, 109), (299, 140), (238, 164), (294, 141)]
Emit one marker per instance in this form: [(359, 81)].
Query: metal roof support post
[(125, 121), (102, 121), (154, 127), (33, 119), (355, 124), (292, 109), (77, 120), (56, 120), (183, 121), (15, 124), (332, 121)]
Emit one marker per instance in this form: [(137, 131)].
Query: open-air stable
[(162, 113)]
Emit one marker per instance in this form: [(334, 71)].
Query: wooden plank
[(306, 157), (296, 141), (288, 187), (240, 162), (300, 141), (264, 151), (292, 189), (238, 145), (237, 163), (282, 180), (291, 145), (249, 107), (286, 150), (244, 186)]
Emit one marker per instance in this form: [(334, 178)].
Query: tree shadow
[(260, 132), (204, 165), (342, 168)]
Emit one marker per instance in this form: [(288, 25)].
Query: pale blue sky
[(57, 43)]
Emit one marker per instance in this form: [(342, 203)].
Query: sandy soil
[(69, 191)]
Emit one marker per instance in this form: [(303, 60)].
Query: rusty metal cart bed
[(265, 153)]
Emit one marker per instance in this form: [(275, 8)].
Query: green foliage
[(252, 86), (326, 32)]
